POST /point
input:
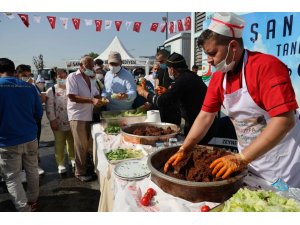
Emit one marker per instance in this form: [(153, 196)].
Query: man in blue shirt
[(20, 107), (119, 85)]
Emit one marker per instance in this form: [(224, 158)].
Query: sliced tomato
[(151, 191), (145, 201), (205, 208)]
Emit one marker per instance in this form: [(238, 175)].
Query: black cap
[(176, 60)]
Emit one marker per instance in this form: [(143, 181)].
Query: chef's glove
[(228, 164), (160, 90), (176, 158)]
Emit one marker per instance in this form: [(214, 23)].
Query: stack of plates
[(132, 170)]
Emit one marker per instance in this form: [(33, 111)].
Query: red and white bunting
[(88, 22), (76, 23), (137, 26), (98, 24), (180, 25), (188, 23), (64, 22), (154, 27), (128, 24), (107, 24), (171, 27), (25, 19), (37, 19), (163, 27), (52, 20), (118, 24)]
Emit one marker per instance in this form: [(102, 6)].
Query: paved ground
[(57, 193)]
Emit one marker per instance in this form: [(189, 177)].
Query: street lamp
[(165, 19)]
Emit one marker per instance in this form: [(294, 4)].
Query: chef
[(257, 93), (187, 91)]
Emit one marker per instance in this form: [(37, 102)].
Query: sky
[(20, 43)]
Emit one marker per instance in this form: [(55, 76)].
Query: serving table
[(121, 195)]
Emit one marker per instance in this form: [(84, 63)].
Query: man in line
[(257, 92), (82, 97), (20, 108), (169, 113), (119, 85), (188, 91)]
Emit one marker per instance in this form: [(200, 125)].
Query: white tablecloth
[(123, 196)]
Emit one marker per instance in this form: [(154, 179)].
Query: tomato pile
[(146, 199)]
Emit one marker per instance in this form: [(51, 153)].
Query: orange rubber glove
[(176, 158), (160, 90), (228, 164)]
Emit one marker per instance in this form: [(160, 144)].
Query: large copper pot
[(216, 191)]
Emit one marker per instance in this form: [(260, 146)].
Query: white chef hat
[(227, 24)]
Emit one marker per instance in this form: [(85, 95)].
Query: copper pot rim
[(192, 183), (156, 124)]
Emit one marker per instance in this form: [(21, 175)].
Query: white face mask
[(99, 76), (222, 66), (24, 79), (115, 69), (170, 74)]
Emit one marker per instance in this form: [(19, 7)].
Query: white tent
[(117, 46)]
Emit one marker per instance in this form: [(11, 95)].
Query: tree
[(92, 54), (38, 62)]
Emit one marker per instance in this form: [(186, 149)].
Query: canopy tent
[(117, 46)]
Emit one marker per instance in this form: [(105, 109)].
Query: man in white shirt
[(83, 96)]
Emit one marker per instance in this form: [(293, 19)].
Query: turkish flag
[(180, 25), (187, 23), (98, 25), (76, 23), (137, 26), (118, 25), (25, 19), (52, 20), (154, 27), (163, 27), (171, 27)]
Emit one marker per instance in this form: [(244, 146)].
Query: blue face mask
[(88, 72), (163, 66), (61, 81)]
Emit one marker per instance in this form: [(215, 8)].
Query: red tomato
[(151, 191), (145, 201), (205, 208)]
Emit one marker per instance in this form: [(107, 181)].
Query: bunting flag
[(128, 24), (25, 19), (187, 23), (163, 27), (171, 27), (52, 20), (64, 22), (180, 25), (9, 15), (107, 24), (37, 19), (154, 27), (118, 24), (98, 24), (76, 23), (137, 26), (88, 22)]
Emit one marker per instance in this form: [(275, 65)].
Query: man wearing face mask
[(169, 113), (256, 91), (82, 97), (119, 84), (188, 91)]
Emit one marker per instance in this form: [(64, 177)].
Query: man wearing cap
[(256, 91), (82, 97), (187, 91), (119, 85)]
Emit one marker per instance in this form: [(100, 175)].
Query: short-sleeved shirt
[(268, 83), (76, 85)]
